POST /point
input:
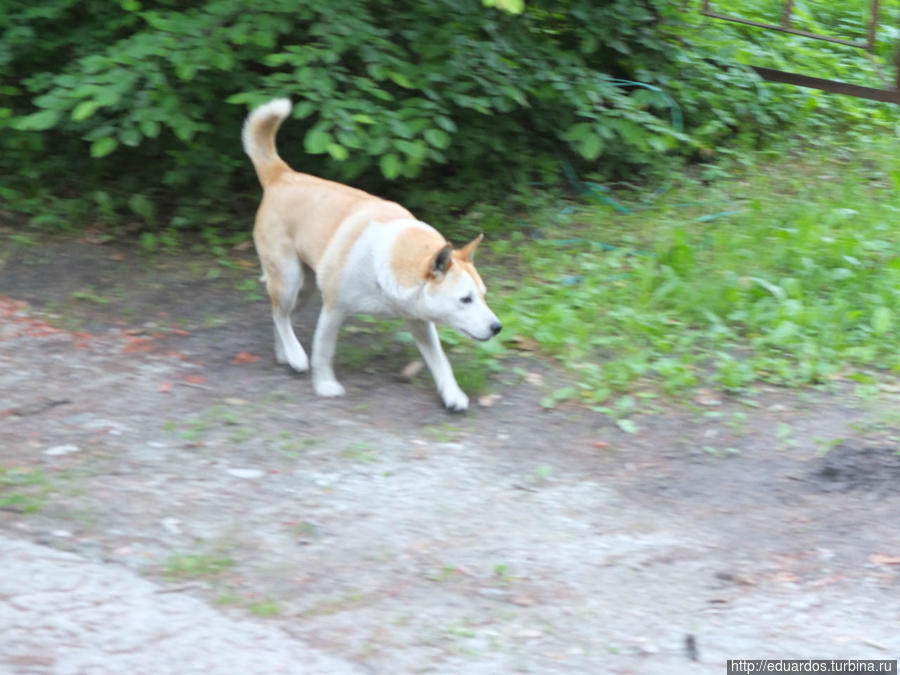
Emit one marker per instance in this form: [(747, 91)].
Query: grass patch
[(23, 489), (265, 608), (361, 452), (786, 273), (88, 295), (197, 565)]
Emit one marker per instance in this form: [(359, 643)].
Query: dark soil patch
[(851, 467)]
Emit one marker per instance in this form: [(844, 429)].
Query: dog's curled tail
[(258, 137)]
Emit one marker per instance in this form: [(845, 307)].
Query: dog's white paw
[(455, 400), (329, 388), (297, 360), (300, 364)]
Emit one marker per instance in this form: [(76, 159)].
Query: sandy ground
[(150, 441)]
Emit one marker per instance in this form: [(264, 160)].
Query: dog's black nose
[(496, 327)]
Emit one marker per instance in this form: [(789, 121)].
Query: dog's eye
[(466, 300)]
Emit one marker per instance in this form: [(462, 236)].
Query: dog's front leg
[(324, 341), (426, 337)]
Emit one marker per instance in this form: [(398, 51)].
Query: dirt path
[(141, 432)]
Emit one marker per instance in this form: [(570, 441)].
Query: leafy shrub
[(788, 275), (138, 103)]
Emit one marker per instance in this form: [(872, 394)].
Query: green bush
[(137, 104)]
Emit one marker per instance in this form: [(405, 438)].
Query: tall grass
[(788, 272)]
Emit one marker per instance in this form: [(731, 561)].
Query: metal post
[(786, 14)]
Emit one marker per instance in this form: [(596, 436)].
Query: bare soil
[(145, 424)]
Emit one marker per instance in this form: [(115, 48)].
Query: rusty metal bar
[(708, 11), (796, 79), (782, 29), (885, 95)]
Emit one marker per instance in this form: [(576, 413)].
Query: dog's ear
[(467, 252), (441, 262)]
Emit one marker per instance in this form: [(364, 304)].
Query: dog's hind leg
[(284, 282), (429, 344), (324, 342)]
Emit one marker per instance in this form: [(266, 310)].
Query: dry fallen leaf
[(137, 344), (707, 397), (785, 577), (166, 387), (884, 559), (522, 600), (412, 369), (535, 379), (246, 357), (488, 400), (525, 343)]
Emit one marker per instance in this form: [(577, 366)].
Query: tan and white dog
[(365, 254)]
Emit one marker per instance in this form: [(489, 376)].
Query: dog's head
[(454, 293)]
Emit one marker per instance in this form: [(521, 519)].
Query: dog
[(365, 255)]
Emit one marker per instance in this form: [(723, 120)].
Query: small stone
[(529, 633), (493, 593), (245, 473), (57, 450), (172, 525)]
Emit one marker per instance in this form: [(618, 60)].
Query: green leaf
[(317, 141), (144, 207), (103, 146), (627, 425), (445, 123), (378, 145), (39, 121), (400, 79), (130, 136), (84, 110), (578, 131), (882, 320), (590, 147), (150, 128), (338, 151), (437, 138), (185, 71), (391, 165), (304, 109), (511, 6), (416, 150)]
